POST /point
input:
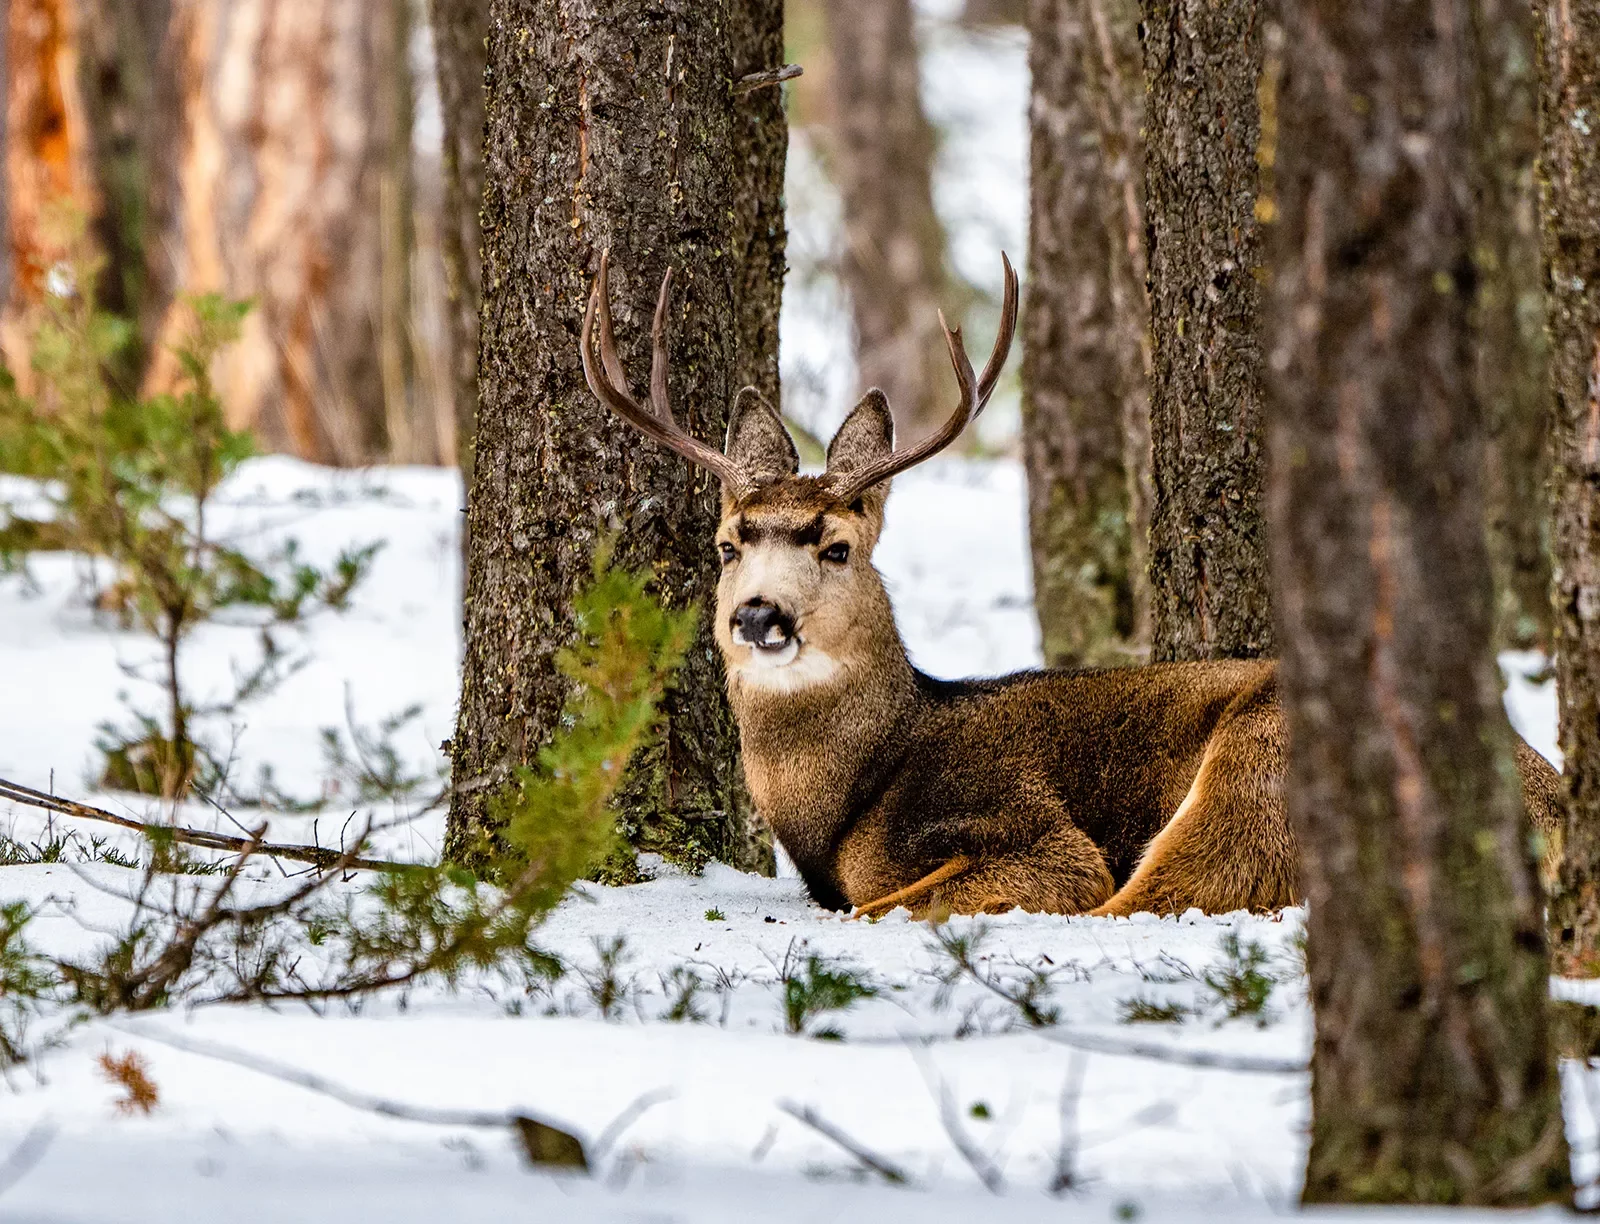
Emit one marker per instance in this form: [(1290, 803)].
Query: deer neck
[(814, 756)]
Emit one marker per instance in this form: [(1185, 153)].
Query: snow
[(1176, 1142)]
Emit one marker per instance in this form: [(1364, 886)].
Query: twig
[(617, 1126), (1066, 1172), (760, 80), (205, 839), (949, 1117), (543, 1141), (1258, 1064), (867, 1159)]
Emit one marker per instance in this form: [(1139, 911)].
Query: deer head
[(799, 604)]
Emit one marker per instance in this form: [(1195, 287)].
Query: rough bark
[(1431, 1076), (1569, 54), (1085, 351), (614, 125), (881, 149), (1510, 323), (48, 157), (1208, 549), (122, 42), (460, 28), (281, 154)]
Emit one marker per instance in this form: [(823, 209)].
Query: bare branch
[(202, 838), (753, 81), (1255, 1064), (866, 1158)]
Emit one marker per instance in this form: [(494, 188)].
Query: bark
[(460, 28), (1085, 353), (121, 49), (1513, 347), (614, 125), (1569, 53), (286, 136), (1208, 549), (881, 151), (48, 158), (1431, 1076)]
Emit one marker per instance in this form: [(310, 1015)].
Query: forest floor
[(991, 1102)]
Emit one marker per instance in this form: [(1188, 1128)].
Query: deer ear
[(867, 434), (758, 441)]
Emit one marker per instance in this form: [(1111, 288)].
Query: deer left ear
[(758, 441), (866, 435)]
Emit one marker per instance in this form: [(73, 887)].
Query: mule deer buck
[(1102, 791)]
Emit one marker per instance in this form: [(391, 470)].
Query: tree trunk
[(614, 125), (1208, 549), (121, 51), (460, 28), (1431, 1077), (48, 158), (881, 155), (286, 140), (1085, 400), (1569, 53), (1512, 355)]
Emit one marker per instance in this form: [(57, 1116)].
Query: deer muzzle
[(761, 624)]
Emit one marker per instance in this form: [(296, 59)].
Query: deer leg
[(1063, 872), (1229, 845), (912, 891)]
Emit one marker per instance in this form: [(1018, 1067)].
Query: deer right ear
[(758, 442), (866, 435)]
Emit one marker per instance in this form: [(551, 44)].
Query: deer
[(1105, 792)]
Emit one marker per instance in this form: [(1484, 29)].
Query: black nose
[(759, 623)]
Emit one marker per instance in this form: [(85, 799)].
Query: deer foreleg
[(911, 891)]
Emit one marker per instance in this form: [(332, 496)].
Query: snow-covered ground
[(919, 1072)]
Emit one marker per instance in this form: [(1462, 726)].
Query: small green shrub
[(814, 987), (1238, 982)]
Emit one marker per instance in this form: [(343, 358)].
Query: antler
[(973, 399), (610, 384)]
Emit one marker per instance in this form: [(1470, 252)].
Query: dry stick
[(1259, 1064), (760, 80), (544, 1142), (949, 1117), (205, 839), (866, 1158)]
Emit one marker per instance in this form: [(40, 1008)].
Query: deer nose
[(762, 624)]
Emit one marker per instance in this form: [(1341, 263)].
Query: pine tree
[(1569, 55), (1210, 592), (624, 129), (1432, 1080)]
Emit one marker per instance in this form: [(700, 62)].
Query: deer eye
[(729, 553), (837, 553)]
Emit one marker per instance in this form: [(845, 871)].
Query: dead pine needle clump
[(130, 1071)]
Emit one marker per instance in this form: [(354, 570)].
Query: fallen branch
[(543, 1142), (760, 80), (1258, 1064), (890, 1173), (204, 839)]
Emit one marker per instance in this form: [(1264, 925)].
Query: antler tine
[(658, 354), (1002, 339), (897, 461), (659, 425), (608, 346), (975, 394)]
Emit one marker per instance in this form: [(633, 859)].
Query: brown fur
[(1107, 792)]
